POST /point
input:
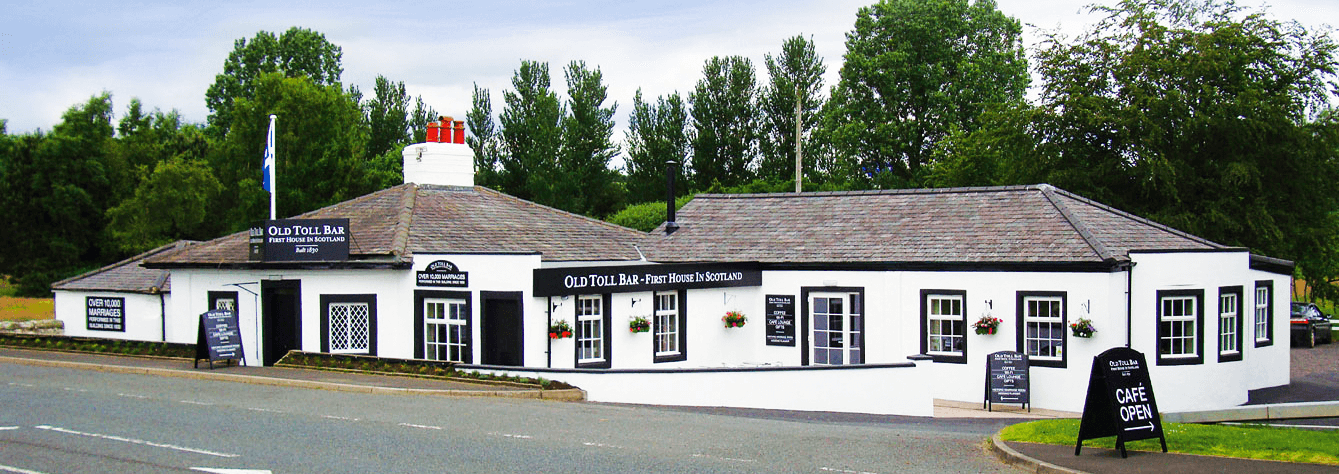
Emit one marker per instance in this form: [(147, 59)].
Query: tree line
[(1202, 115)]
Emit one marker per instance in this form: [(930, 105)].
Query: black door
[(281, 306), (502, 343)]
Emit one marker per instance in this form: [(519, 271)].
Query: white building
[(859, 301), (120, 301)]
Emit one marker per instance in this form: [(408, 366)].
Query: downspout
[(1129, 304), (548, 353), (162, 314)]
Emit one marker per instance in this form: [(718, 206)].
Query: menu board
[(1120, 401), (780, 320), (1007, 379), (220, 337)]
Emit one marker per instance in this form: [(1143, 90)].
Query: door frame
[(806, 332), (267, 321), (485, 323)]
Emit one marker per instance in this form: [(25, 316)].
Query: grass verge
[(13, 308), (1247, 442)]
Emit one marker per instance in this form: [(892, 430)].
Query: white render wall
[(143, 315)]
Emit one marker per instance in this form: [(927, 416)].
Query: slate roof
[(389, 226), (126, 276), (1015, 224)]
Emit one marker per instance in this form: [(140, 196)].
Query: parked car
[(1309, 325)]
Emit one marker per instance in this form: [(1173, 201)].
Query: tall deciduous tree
[(394, 118), (485, 139), (914, 71), (657, 133), (298, 52), (724, 137), (171, 203), (796, 78), (532, 132), (587, 184)]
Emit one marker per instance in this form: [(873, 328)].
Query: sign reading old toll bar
[(290, 240), (1007, 379), (1120, 401), (780, 320)]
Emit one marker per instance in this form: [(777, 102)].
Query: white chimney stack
[(443, 159)]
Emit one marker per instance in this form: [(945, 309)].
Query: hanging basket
[(734, 319)]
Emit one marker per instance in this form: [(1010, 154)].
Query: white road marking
[(844, 471), (724, 458), (22, 384), (517, 436), (131, 395), (136, 441), (8, 428), (231, 471), (426, 427), (17, 470), (266, 410), (333, 417), (68, 389), (193, 402), (602, 445)]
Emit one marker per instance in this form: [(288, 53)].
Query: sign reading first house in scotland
[(633, 278), (105, 314), (296, 240)]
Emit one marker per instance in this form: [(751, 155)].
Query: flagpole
[(274, 186)]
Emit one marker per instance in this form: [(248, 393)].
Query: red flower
[(553, 335), (567, 333)]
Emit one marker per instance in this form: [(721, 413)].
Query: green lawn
[(1249, 442)]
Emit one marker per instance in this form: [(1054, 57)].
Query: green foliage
[(298, 52), (657, 133), (170, 204), (914, 70), (1249, 442), (587, 185), (796, 79), (532, 132), (645, 216), (485, 139), (395, 120), (724, 139)]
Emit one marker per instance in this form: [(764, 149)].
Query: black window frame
[(370, 300), (1198, 359), (682, 296), (1021, 326), (607, 300), (925, 326), (1241, 298), (419, 296), (1269, 326), (215, 296), (859, 306)]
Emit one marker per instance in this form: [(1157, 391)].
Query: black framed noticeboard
[(102, 313), (1007, 379), (1120, 401), (219, 338), (780, 320)]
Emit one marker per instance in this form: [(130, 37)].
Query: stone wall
[(46, 327)]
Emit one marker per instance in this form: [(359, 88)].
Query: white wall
[(143, 315), (1210, 384)]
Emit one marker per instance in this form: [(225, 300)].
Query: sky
[(54, 55)]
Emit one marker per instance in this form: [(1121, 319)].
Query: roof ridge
[(141, 256), (1141, 220), (1048, 192), (868, 192), (403, 222)]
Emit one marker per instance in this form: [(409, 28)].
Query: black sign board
[(780, 320), (1120, 401), (443, 273), (105, 314), (295, 240), (625, 279), (220, 337), (1007, 379)]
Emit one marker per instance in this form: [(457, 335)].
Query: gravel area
[(1315, 377)]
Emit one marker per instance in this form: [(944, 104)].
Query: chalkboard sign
[(1120, 401), (781, 320), (219, 338), (1007, 379)]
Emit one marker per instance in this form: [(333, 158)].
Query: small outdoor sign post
[(1120, 401), (219, 338), (1007, 379)]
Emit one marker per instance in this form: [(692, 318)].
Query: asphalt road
[(57, 420)]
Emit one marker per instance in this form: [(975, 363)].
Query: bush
[(645, 216)]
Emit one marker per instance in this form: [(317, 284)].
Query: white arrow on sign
[(1137, 428), (231, 471)]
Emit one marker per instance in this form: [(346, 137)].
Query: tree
[(298, 52), (171, 203), (54, 189), (724, 138), (485, 139), (394, 118), (320, 137), (914, 70), (795, 77), (532, 132), (587, 184), (657, 133)]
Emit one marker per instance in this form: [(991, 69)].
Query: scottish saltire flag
[(267, 166)]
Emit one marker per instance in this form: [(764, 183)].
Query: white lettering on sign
[(1134, 404)]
